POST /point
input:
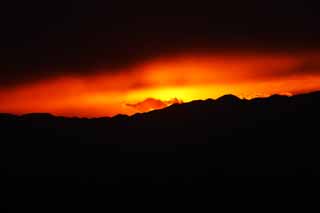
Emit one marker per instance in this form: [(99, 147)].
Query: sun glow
[(165, 81)]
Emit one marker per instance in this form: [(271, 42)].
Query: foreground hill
[(275, 135)]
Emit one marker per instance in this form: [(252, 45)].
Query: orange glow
[(165, 81), (152, 104)]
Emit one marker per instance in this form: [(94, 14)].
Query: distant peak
[(279, 96), (7, 115), (38, 115), (229, 99), (120, 117)]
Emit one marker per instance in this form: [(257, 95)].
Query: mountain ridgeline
[(275, 135), (195, 122)]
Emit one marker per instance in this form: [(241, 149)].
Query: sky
[(102, 58)]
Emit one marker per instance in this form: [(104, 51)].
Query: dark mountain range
[(278, 135)]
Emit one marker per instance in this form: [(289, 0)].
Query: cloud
[(36, 44), (187, 77), (153, 104)]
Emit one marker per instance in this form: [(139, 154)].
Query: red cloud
[(153, 104)]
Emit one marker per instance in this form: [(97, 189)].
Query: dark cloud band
[(40, 40)]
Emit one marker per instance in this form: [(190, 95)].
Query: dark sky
[(41, 39)]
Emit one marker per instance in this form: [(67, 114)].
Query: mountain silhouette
[(231, 99), (197, 140)]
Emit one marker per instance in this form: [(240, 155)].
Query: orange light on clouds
[(165, 81)]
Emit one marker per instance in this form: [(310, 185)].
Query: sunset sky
[(106, 58)]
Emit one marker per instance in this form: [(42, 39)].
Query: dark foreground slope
[(189, 142)]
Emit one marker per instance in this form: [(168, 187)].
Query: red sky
[(163, 81)]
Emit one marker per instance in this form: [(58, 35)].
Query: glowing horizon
[(164, 81)]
